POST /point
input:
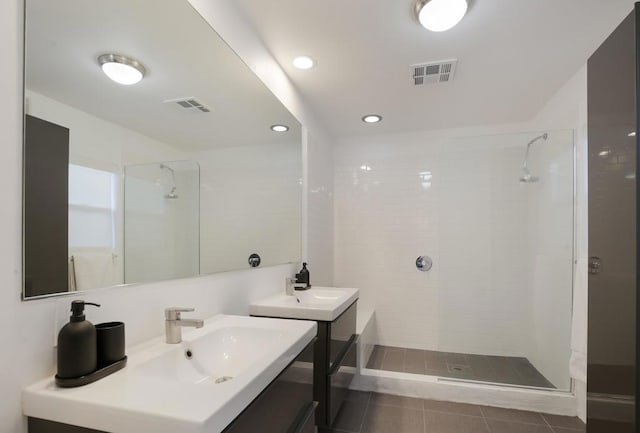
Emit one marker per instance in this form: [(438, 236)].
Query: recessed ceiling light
[(279, 128), (440, 15), (121, 69), (372, 118), (303, 62)]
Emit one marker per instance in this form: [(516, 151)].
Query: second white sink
[(317, 303)]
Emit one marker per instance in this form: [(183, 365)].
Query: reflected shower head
[(527, 177), (172, 193)]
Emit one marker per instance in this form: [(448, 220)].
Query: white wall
[(224, 16), (244, 189), (27, 329), (319, 208)]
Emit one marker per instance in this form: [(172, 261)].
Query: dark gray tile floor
[(366, 412), (485, 368)]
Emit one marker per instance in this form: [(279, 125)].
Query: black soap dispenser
[(77, 346), (303, 276)]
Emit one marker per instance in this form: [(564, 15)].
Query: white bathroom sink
[(200, 385), (216, 357), (317, 303)]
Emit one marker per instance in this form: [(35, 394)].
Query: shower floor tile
[(484, 368), (370, 412)]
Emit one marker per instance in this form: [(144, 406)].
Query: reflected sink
[(198, 386), (216, 357), (316, 303)]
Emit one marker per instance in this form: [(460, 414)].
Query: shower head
[(172, 193), (527, 177)]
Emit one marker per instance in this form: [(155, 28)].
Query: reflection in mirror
[(161, 212), (177, 175)]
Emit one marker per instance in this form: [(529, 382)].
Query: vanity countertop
[(232, 359)]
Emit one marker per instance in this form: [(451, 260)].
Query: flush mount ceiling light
[(440, 15), (372, 118), (279, 128), (121, 69), (303, 62)]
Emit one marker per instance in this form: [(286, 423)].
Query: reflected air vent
[(191, 104), (433, 72)]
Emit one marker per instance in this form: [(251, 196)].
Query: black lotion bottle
[(303, 277), (77, 346)]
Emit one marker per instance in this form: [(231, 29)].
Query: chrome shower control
[(424, 263)]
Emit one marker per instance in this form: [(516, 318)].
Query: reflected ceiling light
[(279, 128), (121, 69), (365, 167), (604, 153), (632, 134), (372, 118), (440, 15), (303, 62)]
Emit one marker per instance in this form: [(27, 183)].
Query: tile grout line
[(366, 411), (424, 418), (484, 418)]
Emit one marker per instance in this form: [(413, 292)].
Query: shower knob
[(254, 260), (424, 263)]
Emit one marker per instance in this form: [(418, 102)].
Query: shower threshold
[(484, 368)]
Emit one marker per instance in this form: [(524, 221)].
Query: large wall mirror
[(181, 174)]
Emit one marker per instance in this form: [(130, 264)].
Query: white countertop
[(138, 398)]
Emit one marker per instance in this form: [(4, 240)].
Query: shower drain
[(223, 379)]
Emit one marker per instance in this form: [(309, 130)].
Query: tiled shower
[(496, 305)]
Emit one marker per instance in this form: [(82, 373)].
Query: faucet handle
[(173, 313)]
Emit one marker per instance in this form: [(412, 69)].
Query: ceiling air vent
[(433, 72), (191, 104)]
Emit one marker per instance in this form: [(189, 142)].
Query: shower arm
[(525, 168), (173, 174)]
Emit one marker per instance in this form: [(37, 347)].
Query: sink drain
[(223, 379)]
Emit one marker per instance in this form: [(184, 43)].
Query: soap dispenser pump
[(303, 276), (77, 346)]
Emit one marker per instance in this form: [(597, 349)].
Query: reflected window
[(92, 208)]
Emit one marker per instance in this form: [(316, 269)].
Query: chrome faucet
[(291, 285), (173, 323)]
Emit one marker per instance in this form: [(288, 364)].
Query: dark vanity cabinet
[(334, 364), (286, 406)]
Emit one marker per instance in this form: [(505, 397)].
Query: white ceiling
[(513, 56), (184, 57)]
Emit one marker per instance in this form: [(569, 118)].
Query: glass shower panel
[(506, 258), (161, 221)]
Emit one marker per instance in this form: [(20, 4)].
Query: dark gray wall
[(612, 233), (46, 208)]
